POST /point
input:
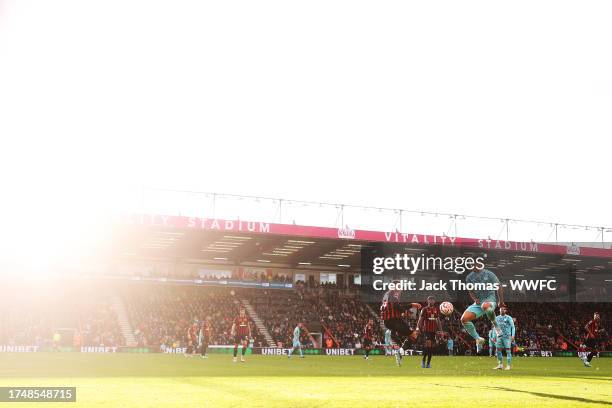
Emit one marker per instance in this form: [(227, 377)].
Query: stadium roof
[(263, 244)]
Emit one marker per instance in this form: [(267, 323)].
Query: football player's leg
[(471, 313), (500, 357), (244, 347), (591, 344), (406, 333), (489, 309)]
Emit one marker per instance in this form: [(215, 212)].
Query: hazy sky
[(490, 108)]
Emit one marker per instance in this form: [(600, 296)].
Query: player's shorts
[(296, 343), (591, 343), (478, 310), (240, 338), (503, 342), (400, 331), (429, 336)]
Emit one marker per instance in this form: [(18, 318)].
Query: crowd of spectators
[(98, 326), (78, 314), (337, 314), (162, 314)]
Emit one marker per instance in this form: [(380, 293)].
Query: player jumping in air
[(429, 324), (241, 331), (492, 340), (297, 344), (368, 338), (485, 302), (205, 335), (391, 311), (593, 333), (505, 339)]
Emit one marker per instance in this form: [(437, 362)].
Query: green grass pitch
[(151, 380)]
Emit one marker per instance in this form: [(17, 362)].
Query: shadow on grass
[(553, 396), (534, 393)]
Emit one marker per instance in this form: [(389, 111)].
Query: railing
[(327, 214)]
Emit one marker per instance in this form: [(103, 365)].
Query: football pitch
[(169, 380)]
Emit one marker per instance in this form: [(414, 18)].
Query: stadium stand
[(34, 313), (160, 314)]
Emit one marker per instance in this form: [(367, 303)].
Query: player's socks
[(243, 350), (301, 353), (590, 356), (235, 350), (471, 329), (479, 342), (491, 315), (429, 355), (509, 357), (500, 357)]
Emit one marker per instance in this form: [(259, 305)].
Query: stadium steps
[(258, 322), (124, 321), (380, 322)]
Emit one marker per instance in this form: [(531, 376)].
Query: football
[(446, 308)]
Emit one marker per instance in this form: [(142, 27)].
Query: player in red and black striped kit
[(241, 331), (205, 335), (368, 338), (192, 340), (392, 311), (594, 331), (429, 324)]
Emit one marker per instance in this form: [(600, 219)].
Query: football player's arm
[(249, 326), (512, 329), (439, 325), (419, 322), (233, 330), (474, 298), (588, 329)]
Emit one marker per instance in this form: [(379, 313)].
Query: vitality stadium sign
[(214, 224)]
